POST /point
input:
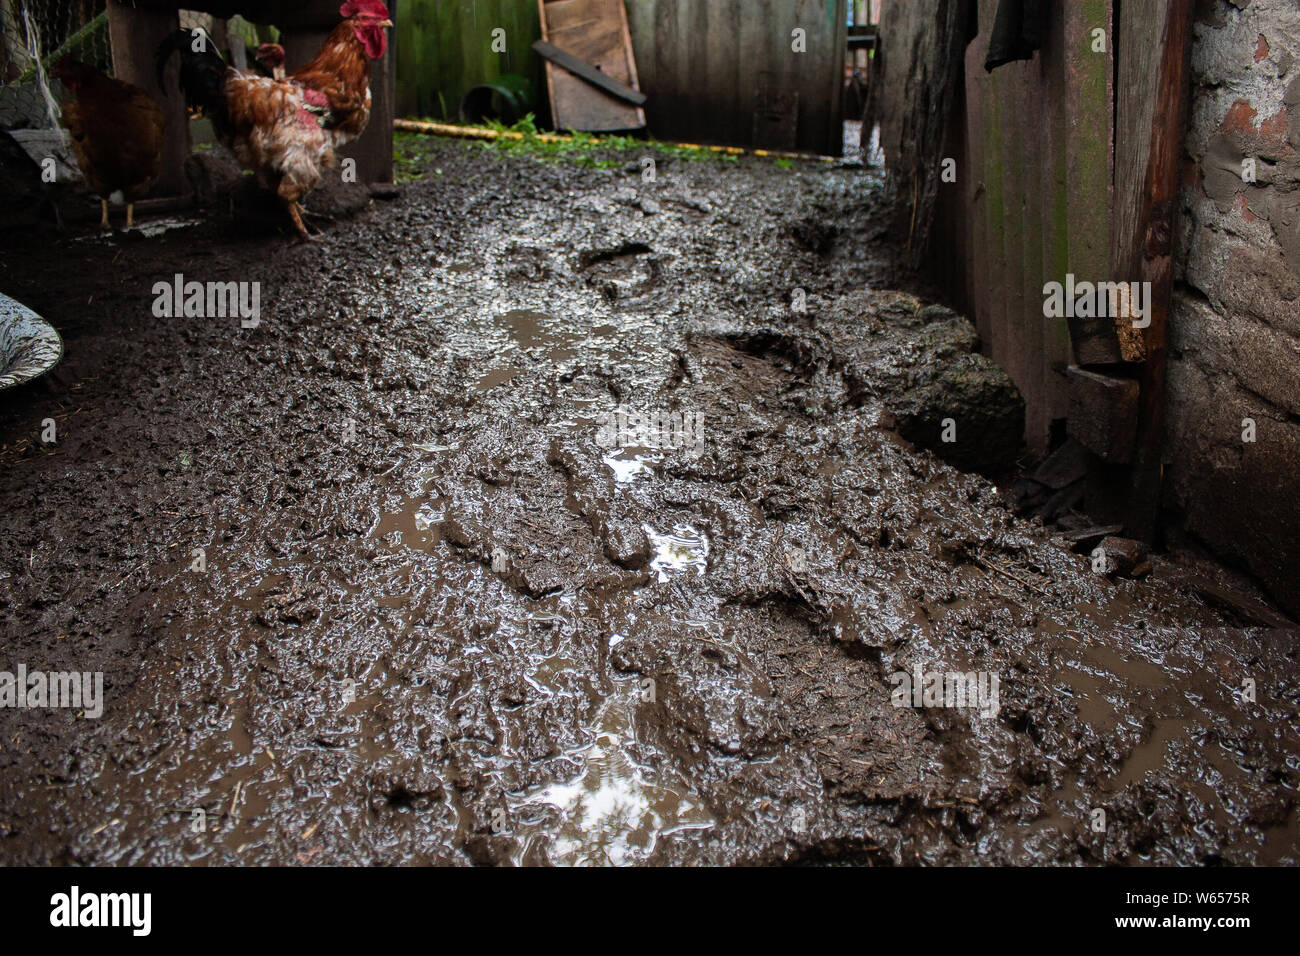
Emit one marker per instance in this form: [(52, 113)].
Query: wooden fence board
[(1089, 112), (444, 48), (1056, 198), (703, 62), (1038, 151), (1015, 160), (978, 199), (1030, 91)]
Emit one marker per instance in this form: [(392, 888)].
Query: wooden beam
[(1156, 227), (134, 35), (1103, 413)]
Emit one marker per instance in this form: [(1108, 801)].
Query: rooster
[(116, 132), (286, 130)]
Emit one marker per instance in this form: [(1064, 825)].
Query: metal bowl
[(29, 346)]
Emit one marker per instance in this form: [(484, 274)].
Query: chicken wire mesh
[(35, 34)]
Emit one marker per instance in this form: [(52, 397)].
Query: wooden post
[(1155, 227), (835, 132), (374, 148), (134, 34)]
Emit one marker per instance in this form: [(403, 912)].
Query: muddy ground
[(439, 621)]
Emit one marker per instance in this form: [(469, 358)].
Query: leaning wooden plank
[(596, 33), (1155, 225)]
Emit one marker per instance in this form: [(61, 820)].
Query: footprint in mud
[(624, 272)]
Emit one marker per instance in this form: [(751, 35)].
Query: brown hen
[(116, 133)]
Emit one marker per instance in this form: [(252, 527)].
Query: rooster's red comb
[(364, 8)]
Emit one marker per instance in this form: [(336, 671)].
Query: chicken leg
[(103, 219), (130, 210), (295, 213)]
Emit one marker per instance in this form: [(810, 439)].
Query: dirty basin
[(29, 346)]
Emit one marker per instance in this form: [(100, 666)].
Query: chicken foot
[(296, 212)]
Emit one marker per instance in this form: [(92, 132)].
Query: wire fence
[(36, 34)]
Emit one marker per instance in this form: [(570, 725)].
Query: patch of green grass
[(587, 149), (580, 148), (411, 153)]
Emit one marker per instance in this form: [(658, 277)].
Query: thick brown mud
[(442, 617)]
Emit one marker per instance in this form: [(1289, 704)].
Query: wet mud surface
[(442, 618)]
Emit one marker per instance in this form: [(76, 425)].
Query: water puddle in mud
[(614, 811), (417, 525), (540, 337), (494, 377), (149, 229), (529, 330), (685, 548), (627, 463)]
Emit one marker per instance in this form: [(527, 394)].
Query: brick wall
[(1235, 329)]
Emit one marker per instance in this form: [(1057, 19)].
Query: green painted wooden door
[(446, 47)]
